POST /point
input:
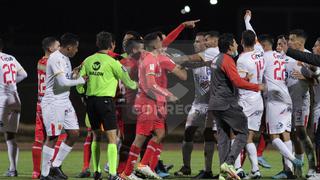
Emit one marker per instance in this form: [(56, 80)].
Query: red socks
[(261, 146), (87, 153), (156, 157), (132, 159), (36, 156)]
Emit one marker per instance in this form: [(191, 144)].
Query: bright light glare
[(187, 9), (213, 2)]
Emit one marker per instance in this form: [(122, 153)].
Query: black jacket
[(304, 57)]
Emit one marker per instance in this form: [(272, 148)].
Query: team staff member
[(103, 74)]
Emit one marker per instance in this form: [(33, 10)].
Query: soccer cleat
[(163, 174), (57, 173), (97, 175), (47, 177), (311, 172), (254, 175), (263, 162), (204, 175), (36, 175), (184, 171), (132, 176), (230, 170), (11, 173), (146, 170), (116, 177), (284, 175), (241, 173), (84, 174), (223, 176)]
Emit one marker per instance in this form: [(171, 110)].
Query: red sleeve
[(167, 63), (150, 65), (229, 67), (172, 35)]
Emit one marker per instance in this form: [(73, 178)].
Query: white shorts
[(253, 109), (198, 117), (278, 117), (10, 109), (301, 113), (316, 117), (57, 115)]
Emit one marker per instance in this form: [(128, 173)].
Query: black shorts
[(102, 113)]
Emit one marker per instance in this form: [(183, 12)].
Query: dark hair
[(212, 34), (266, 38), (68, 39), (131, 44), (47, 42), (1, 44), (225, 41), (201, 33), (248, 38), (299, 33), (135, 34), (104, 40), (281, 36), (149, 38)]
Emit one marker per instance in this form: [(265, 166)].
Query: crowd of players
[(126, 99)]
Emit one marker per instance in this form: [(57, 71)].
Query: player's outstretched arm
[(247, 18), (304, 57), (64, 82), (122, 74), (175, 33)]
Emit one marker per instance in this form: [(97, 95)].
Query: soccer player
[(49, 45), (316, 113), (133, 48), (57, 109), (10, 107), (223, 105), (299, 91), (150, 105), (262, 144), (103, 74), (251, 63), (197, 116), (278, 106)]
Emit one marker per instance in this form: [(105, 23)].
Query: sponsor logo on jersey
[(279, 125), (96, 66)]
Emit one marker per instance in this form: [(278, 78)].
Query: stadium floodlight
[(213, 2), (187, 9), (183, 11)]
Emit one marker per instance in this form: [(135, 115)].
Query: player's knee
[(189, 133), (208, 134)]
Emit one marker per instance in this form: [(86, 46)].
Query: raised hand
[(248, 15), (191, 24)]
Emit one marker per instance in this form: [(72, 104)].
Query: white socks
[(13, 154), (252, 152), (47, 155), (287, 162), (278, 143), (64, 150)]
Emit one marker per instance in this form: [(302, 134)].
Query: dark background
[(23, 24)]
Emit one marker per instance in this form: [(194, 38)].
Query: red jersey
[(166, 65), (41, 68), (132, 66), (150, 65)]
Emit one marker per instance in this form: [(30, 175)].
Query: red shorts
[(150, 116), (39, 132)]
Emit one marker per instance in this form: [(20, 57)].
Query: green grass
[(73, 163)]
